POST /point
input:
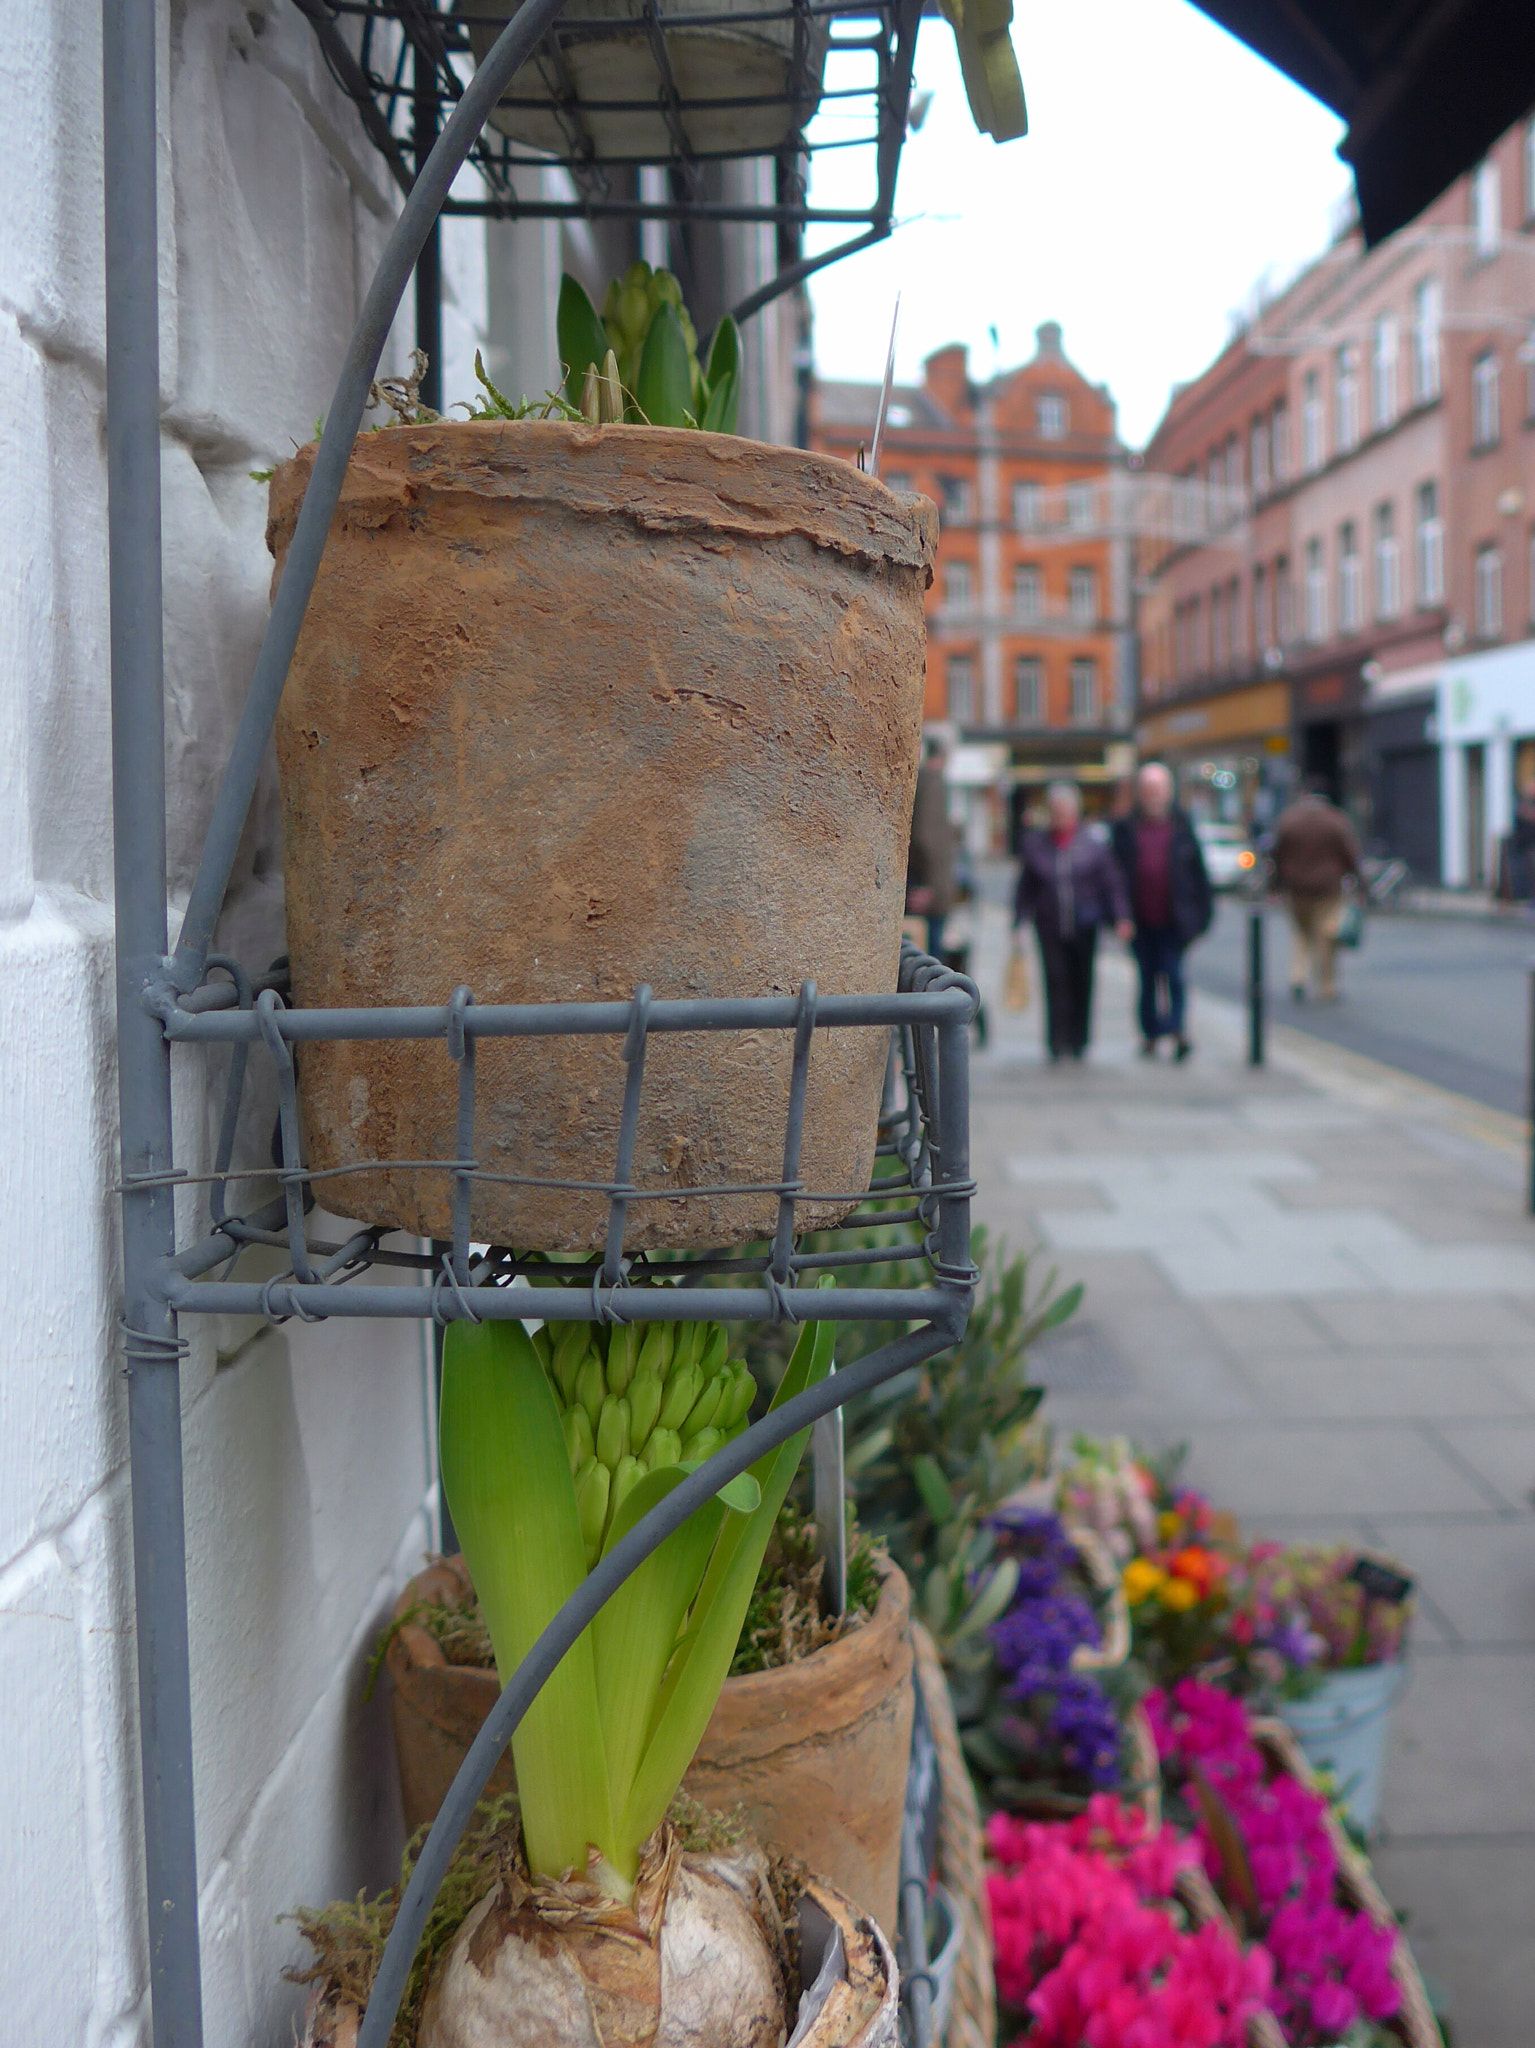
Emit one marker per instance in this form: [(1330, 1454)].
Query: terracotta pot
[(576, 709), (815, 1752)]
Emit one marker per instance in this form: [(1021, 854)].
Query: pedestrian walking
[(930, 861), (1315, 853), (1159, 855), (1069, 887)]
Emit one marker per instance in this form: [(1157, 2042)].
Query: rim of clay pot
[(668, 479)]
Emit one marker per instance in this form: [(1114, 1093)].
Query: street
[(1444, 998)]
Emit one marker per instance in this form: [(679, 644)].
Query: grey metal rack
[(192, 995)]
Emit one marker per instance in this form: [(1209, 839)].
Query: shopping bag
[(1017, 992), (1350, 930)]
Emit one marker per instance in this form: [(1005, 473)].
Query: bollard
[(1255, 990)]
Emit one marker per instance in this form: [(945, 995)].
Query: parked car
[(1230, 860)]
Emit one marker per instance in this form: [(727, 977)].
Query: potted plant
[(808, 1740), (1359, 1611), (552, 1449), (582, 704)]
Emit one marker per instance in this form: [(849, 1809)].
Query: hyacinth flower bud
[(656, 1351), (716, 1349), (685, 1347), (664, 1448), (570, 1344), (705, 1408), (702, 1445), (579, 1443), (590, 1387), (646, 1393), (743, 1391), (593, 1485), (682, 1390), (625, 1475), (613, 1431), (623, 1355)]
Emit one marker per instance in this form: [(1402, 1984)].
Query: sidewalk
[(1321, 1277)]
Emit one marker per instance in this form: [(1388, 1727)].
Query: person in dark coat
[(1069, 887), (1315, 853), (1159, 855), (930, 860)]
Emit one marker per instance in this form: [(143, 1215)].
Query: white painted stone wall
[(308, 1451)]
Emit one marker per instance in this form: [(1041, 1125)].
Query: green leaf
[(723, 406), (507, 1478), (583, 340), (722, 379), (994, 1598), (692, 1685), (664, 387), (937, 1497)]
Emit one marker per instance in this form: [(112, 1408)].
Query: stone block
[(1501, 1455), (1467, 1907), (1282, 1468), (1462, 1754)]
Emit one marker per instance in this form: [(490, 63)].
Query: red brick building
[(1357, 472), (1029, 643)]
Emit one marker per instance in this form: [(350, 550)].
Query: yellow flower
[(1167, 1525), (1178, 1595), (1142, 1578)]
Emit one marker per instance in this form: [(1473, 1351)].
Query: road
[(1445, 998)]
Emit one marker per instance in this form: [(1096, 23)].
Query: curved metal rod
[(407, 238), (586, 1602)]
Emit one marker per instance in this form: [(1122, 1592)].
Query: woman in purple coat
[(1068, 885)]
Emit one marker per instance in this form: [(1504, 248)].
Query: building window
[(1026, 506), (1084, 597), (1532, 540), (960, 677), (1220, 642), (1028, 592), (1388, 564), (1215, 468), (1084, 692), (1527, 357), (957, 590), (1316, 592), (1346, 397), (1383, 372), (1489, 592), (900, 483), (1284, 602), (1429, 548), (1312, 424), (1486, 423), (1079, 506), (1233, 463), (1258, 454), (1486, 210), (1029, 690), (1529, 168), (1051, 416), (1280, 439), (955, 494), (1425, 340), (1350, 579), (1263, 624)]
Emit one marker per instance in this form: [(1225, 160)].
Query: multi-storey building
[(1029, 643), (1371, 435)]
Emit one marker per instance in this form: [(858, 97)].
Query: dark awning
[(1426, 86)]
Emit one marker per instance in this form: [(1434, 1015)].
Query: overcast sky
[(1166, 169)]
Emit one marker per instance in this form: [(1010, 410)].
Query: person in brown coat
[(1315, 853)]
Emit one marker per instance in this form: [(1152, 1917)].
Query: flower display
[(1107, 1489), (1090, 1950), (1351, 1624), (1267, 1848), (1065, 1722)]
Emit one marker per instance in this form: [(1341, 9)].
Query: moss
[(784, 1621), (348, 1936)]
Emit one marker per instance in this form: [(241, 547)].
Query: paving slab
[(1322, 1467), (1479, 1574), (1461, 1758), (1469, 1907), (1502, 1454), (1376, 1383)]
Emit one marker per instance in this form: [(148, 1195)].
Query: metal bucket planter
[(576, 709), (814, 1752), (1342, 1729), (606, 85)]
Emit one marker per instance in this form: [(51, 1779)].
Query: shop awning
[(1426, 86)]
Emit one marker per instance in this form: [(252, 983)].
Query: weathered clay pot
[(576, 709), (815, 1752)]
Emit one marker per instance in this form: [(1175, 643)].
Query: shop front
[(1231, 753), (1486, 734)]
